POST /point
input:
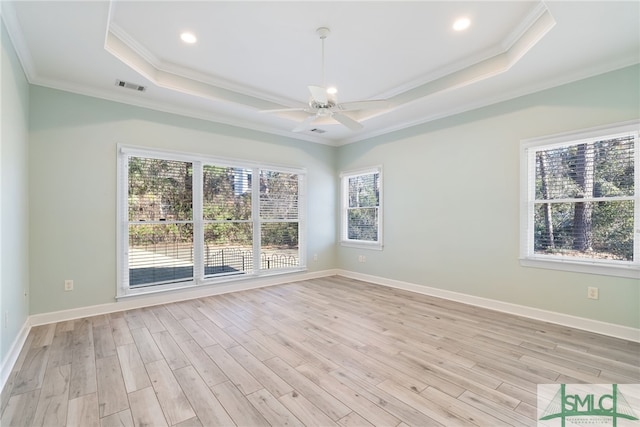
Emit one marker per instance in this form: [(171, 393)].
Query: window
[(160, 221), (187, 220), (581, 202), (362, 208)]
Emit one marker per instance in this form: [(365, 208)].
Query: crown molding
[(134, 101), (506, 48), (16, 35), (584, 73), (172, 71)]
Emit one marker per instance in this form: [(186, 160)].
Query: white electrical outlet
[(592, 293), (68, 285), (6, 319), (315, 257), (362, 258)]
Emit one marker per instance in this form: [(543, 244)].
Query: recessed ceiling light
[(461, 24), (188, 38)]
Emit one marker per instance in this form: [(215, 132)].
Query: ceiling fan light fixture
[(332, 90)]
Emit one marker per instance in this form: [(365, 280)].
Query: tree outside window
[(362, 202), (582, 200)]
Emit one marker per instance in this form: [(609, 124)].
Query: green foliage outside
[(596, 170), (161, 190), (279, 203), (362, 212)]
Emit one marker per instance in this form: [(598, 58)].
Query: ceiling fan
[(323, 103)]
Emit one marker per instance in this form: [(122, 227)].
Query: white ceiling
[(260, 55)]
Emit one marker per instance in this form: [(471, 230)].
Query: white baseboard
[(604, 328), (173, 296), (590, 325), (12, 356), (143, 301)]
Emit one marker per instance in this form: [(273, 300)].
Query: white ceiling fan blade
[(304, 125), (377, 104), (319, 94), (282, 110), (347, 121)]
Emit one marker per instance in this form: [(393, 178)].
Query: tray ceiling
[(252, 56)]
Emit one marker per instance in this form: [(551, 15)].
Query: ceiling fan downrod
[(323, 33)]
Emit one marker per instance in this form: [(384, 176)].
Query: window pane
[(614, 167), (226, 193), (278, 195), (362, 224), (364, 190), (160, 253), (279, 242), (228, 248), (594, 169), (159, 190), (595, 230)]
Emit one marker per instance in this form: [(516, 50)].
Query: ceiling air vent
[(316, 130), (132, 86)]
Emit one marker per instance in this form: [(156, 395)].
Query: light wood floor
[(323, 352)]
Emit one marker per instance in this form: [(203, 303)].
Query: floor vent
[(131, 86)]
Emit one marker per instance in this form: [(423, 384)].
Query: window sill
[(628, 271), (202, 283), (376, 246), (155, 289)]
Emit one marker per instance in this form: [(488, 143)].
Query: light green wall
[(451, 193), (14, 209), (73, 186)]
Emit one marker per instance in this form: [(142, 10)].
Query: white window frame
[(344, 184), (198, 161), (528, 148)]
